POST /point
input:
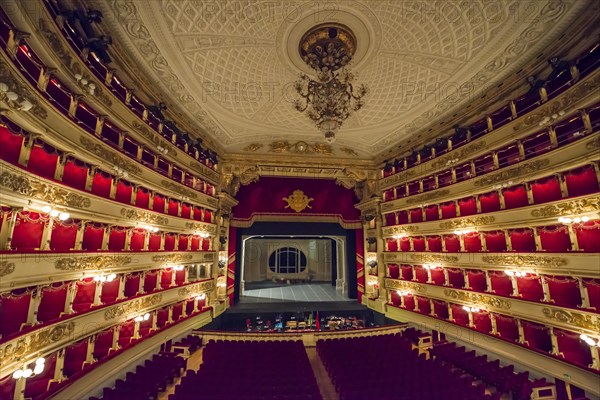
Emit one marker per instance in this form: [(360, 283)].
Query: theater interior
[(300, 200)]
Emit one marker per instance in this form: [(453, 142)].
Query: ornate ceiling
[(229, 65)]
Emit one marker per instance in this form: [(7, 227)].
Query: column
[(521, 332), (26, 149), (402, 302), (89, 355), (113, 188), (414, 275), (545, 289), (446, 277), (488, 282), (9, 226), (501, 199), (154, 316), (73, 105), (184, 310), (507, 239), (90, 179), (473, 170), (47, 234), (482, 240), (494, 324), (106, 236), (595, 358), (529, 193), (98, 293), (136, 329), (158, 280), (471, 322), (173, 273), (121, 292), (554, 341), (478, 204), (60, 166), (195, 306), (521, 149), (431, 308), (515, 286), (170, 315), (151, 200), (585, 298), (186, 274), (564, 192), (553, 138), (429, 280), (146, 240), (122, 139), (99, 125), (573, 238), (19, 393), (537, 239), (416, 304), (461, 239), (134, 190), (450, 316), (466, 279), (142, 279), (115, 342), (59, 366), (71, 290), (34, 304), (128, 239)]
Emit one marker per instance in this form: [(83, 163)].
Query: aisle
[(325, 386), (193, 363)]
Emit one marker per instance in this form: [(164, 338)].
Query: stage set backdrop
[(297, 206)]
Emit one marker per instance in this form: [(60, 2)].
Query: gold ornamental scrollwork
[(479, 299), (172, 258), (512, 173), (593, 144), (467, 222), (394, 284), (537, 261), (91, 262), (196, 288), (461, 154), (252, 147), (144, 217), (405, 229), (427, 196), (208, 228), (573, 318), (433, 258), (298, 201), (568, 207), (153, 138), (109, 156), (300, 147), (6, 268), (43, 191), (31, 344), (132, 307), (178, 189)]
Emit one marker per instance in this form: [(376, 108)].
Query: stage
[(269, 292)]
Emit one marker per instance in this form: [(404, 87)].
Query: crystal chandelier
[(329, 100)]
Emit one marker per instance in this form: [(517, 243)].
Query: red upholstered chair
[(103, 344), (75, 356), (545, 190), (52, 303)]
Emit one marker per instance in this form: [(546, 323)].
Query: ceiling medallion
[(300, 148), (328, 101)]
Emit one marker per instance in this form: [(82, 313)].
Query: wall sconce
[(203, 234), (471, 309), (13, 100), (589, 340), (464, 231), (503, 185), (177, 267), (576, 220), (431, 266), (403, 292), (85, 84), (63, 216), (399, 236), (102, 278), (149, 228), (162, 150), (201, 296), (548, 120), (144, 317), (27, 372), (120, 172), (518, 274)]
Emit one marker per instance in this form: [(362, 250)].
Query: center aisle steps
[(323, 381)]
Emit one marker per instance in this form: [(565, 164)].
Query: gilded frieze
[(568, 207), (201, 227), (178, 189), (153, 138), (145, 217), (252, 147), (6, 268), (43, 191), (512, 173), (196, 288), (132, 307), (573, 318), (394, 284), (467, 222), (398, 177), (172, 258), (593, 144), (433, 258), (300, 147), (479, 299), (76, 263), (396, 230), (31, 344), (109, 156), (461, 154), (427, 196), (537, 261), (211, 174), (16, 85)]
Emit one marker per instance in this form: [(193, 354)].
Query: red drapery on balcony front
[(424, 305), (103, 344), (142, 198), (555, 238), (43, 160), (170, 241), (186, 210), (208, 215), (101, 184), (420, 273), (460, 315), (409, 302), (173, 207), (407, 273), (588, 236), (501, 283), (515, 197), (126, 333), (530, 287), (405, 244), (490, 202), (392, 245), (13, 308), (84, 294), (138, 237), (165, 278), (537, 336), (545, 190), (581, 181), (448, 210), (477, 280), (507, 327), (434, 243), (64, 234), (467, 206), (37, 385), (177, 311), (198, 212), (75, 174), (162, 316), (416, 215), (154, 241), (440, 308), (183, 243), (437, 276), (110, 291), (482, 321), (92, 237), (472, 242), (146, 325), (522, 240), (124, 192), (179, 277), (573, 348), (52, 303), (495, 241), (196, 240), (452, 243), (389, 219), (432, 213), (564, 290), (75, 356), (395, 298), (132, 284), (402, 217), (456, 278), (205, 244), (10, 144), (393, 271), (150, 280), (158, 203), (116, 240), (418, 243), (27, 234)]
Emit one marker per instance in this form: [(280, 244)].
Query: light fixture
[(203, 234), (102, 278), (46, 209), (471, 309), (120, 172), (549, 119), (162, 150), (503, 185), (27, 372), (201, 296), (149, 228), (575, 220), (589, 340), (329, 100), (517, 273), (464, 231), (178, 268), (403, 292), (399, 236), (62, 215), (143, 317), (85, 84)]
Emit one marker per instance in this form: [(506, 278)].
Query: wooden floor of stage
[(265, 292)]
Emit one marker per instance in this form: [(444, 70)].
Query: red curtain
[(10, 145), (405, 244), (530, 287), (13, 308), (146, 325), (165, 278), (177, 311), (142, 198), (154, 241), (402, 217), (482, 321), (29, 227), (110, 291), (162, 316), (564, 290), (418, 243), (456, 278), (477, 280), (593, 289), (173, 208), (390, 219), (186, 210), (495, 241), (545, 190), (416, 215), (424, 305), (126, 333), (103, 344), (132, 284), (574, 349), (205, 244), (179, 277), (124, 191), (63, 235), (537, 336), (507, 327), (407, 273), (393, 271), (452, 243), (196, 243), (138, 237), (472, 242), (101, 184), (522, 240), (198, 213), (75, 174), (588, 236), (75, 356), (150, 281), (460, 315), (501, 283), (183, 243), (490, 202), (440, 308), (116, 240), (555, 238), (395, 298), (158, 203), (434, 243), (52, 303), (437, 276), (208, 215), (448, 210), (392, 245), (92, 237), (409, 302), (515, 197), (169, 241), (432, 213), (84, 295), (581, 181), (420, 273), (37, 385), (43, 160), (189, 306), (467, 206)]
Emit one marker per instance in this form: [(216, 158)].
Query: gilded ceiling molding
[(178, 189), (196, 288), (427, 196), (349, 151), (576, 206), (252, 147), (109, 156), (461, 154), (433, 258), (200, 226), (467, 222), (283, 146), (17, 86), (40, 190), (395, 230), (394, 284), (172, 258), (573, 318), (537, 261), (75, 263), (6, 268), (519, 171), (145, 217), (31, 344), (478, 299), (132, 307), (153, 138)]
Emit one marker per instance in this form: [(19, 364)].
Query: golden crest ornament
[(298, 201)]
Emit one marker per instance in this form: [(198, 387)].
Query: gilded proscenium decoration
[(433, 258), (31, 344), (144, 217), (478, 299), (172, 258), (91, 262), (297, 201), (393, 284), (537, 261), (154, 138), (196, 288), (512, 173), (580, 206), (573, 318), (427, 196), (132, 307), (109, 156), (43, 191), (6, 268), (467, 222), (300, 148), (461, 154)]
